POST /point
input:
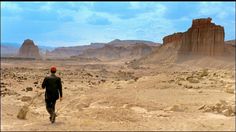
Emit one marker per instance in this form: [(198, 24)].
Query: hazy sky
[(77, 23)]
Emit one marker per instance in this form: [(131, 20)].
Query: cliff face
[(203, 38), (29, 50)]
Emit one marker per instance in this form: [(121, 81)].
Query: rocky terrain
[(182, 85), (113, 96)]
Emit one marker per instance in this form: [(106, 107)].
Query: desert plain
[(114, 95)]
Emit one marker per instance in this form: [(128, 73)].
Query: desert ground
[(112, 95)]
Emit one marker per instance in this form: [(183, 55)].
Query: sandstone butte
[(29, 50), (202, 38)]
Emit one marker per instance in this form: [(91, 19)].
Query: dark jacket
[(53, 87)]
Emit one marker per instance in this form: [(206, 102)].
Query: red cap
[(53, 69)]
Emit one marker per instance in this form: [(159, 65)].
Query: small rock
[(223, 107), (36, 82), (218, 105), (136, 79), (139, 109), (233, 108), (188, 86), (26, 98), (200, 108), (23, 112), (192, 80), (223, 102), (200, 91), (179, 83), (226, 112), (89, 74), (174, 108), (29, 89), (103, 80), (196, 87), (207, 109), (204, 73), (229, 90), (118, 87), (125, 106), (171, 81)]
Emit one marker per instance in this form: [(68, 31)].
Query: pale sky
[(80, 23)]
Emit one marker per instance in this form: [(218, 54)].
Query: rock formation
[(116, 49), (119, 51), (29, 50), (202, 42), (173, 38), (67, 52), (202, 38)]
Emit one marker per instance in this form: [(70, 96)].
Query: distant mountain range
[(95, 49), (92, 50)]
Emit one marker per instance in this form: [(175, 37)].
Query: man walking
[(53, 87)]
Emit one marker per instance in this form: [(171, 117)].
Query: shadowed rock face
[(202, 38), (29, 50)]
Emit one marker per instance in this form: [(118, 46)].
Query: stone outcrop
[(202, 43), (202, 38), (29, 50), (173, 38)]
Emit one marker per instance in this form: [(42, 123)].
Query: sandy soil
[(113, 96)]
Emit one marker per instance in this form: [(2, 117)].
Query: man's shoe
[(53, 118)]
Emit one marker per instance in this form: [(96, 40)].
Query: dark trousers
[(50, 106)]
